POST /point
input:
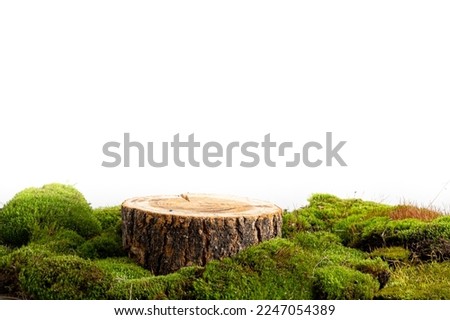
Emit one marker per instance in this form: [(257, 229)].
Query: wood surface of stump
[(165, 233)]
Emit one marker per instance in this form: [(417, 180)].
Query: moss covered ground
[(53, 245)]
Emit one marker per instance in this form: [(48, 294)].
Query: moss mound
[(64, 277), (175, 286), (122, 269), (110, 218), (276, 269), (62, 241), (427, 240), (53, 206), (425, 281), (325, 211), (339, 283), (102, 246), (285, 269), (12, 264)]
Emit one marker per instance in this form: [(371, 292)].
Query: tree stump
[(165, 233)]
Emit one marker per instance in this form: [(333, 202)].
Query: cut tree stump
[(165, 233)]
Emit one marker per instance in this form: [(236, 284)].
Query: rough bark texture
[(164, 234)]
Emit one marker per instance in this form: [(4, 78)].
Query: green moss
[(331, 208), (110, 218), (53, 206), (226, 280), (301, 220), (332, 249), (350, 228), (4, 251), (317, 240), (284, 269), (329, 252), (175, 286), (22, 256), (392, 254), (328, 247), (12, 264), (62, 242), (429, 241), (425, 240), (122, 269), (324, 211), (275, 269), (64, 277), (338, 283), (376, 267), (381, 232), (103, 246), (422, 282), (368, 226)]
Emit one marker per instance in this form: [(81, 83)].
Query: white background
[(76, 74), (347, 310)]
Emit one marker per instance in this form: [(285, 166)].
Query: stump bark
[(165, 233)]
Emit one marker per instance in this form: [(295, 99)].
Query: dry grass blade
[(411, 212)]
